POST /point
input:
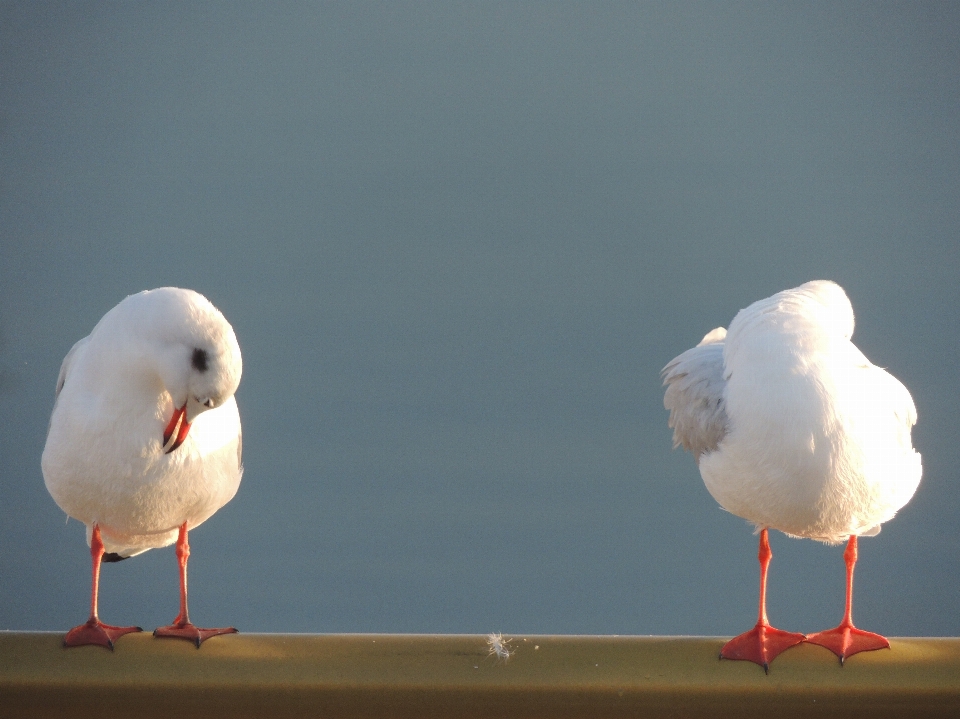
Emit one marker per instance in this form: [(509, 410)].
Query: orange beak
[(179, 419)]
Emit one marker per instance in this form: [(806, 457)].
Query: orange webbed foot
[(191, 633), (95, 632), (761, 645), (846, 640)]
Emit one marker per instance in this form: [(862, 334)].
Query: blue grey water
[(457, 242)]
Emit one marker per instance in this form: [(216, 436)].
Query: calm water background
[(457, 243)]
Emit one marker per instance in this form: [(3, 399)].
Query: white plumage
[(104, 462), (162, 365), (792, 427)]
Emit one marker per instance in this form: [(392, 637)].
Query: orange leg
[(846, 640), (182, 627), (94, 631), (763, 643)]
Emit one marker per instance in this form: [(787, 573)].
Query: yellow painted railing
[(368, 675)]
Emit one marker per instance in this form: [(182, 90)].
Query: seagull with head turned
[(794, 429), (144, 441)]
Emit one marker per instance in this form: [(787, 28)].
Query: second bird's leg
[(182, 627), (763, 643), (846, 640)]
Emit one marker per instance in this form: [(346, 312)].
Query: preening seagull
[(144, 440), (794, 429)]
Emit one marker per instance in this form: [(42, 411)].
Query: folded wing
[(694, 395)]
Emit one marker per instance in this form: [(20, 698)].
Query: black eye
[(199, 360)]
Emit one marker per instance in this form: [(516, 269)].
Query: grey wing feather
[(694, 396), (65, 365), (64, 371)]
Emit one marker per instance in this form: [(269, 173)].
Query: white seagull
[(794, 429), (144, 440)]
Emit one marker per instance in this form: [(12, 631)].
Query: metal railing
[(367, 675)]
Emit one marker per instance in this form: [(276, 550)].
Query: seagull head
[(195, 353)]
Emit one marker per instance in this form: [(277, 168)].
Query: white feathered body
[(811, 438), (104, 462)]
